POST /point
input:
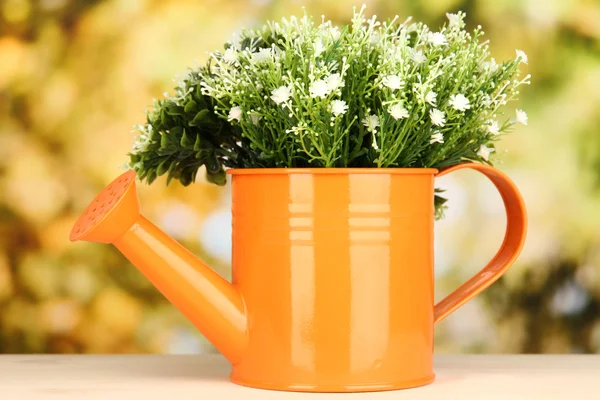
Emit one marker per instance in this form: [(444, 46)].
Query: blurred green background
[(76, 75)]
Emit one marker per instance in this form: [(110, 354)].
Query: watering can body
[(332, 287)]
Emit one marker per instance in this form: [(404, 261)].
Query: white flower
[(319, 47), (484, 152), (486, 100), (418, 56), (392, 81), (454, 20), (491, 65), (255, 118), (328, 31), (334, 32), (281, 94), (396, 52), (143, 140), (371, 122), (230, 55), (521, 54), (459, 102), (437, 39), (235, 114), (333, 82), (437, 137), (319, 89), (375, 38), (521, 117), (438, 117), (261, 55), (338, 107), (431, 97), (236, 41), (493, 128), (296, 129), (398, 112)]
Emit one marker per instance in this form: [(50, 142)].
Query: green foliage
[(300, 94)]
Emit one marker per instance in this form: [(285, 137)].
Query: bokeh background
[(76, 75)]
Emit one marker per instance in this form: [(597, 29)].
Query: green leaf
[(191, 106), (185, 179), (155, 135), (197, 143), (174, 109), (185, 141), (162, 167), (164, 140), (172, 171), (218, 178), (151, 177), (212, 164), (202, 117), (173, 166)]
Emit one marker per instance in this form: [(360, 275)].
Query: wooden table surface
[(131, 377)]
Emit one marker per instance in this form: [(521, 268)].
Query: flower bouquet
[(304, 94)]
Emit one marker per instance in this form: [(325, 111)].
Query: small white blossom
[(438, 117), (235, 114), (334, 81), (335, 33), (236, 41), (375, 38), (437, 137), (338, 107), (396, 53), (255, 118), (431, 97), (392, 81), (491, 65), (437, 39), (521, 54), (230, 55), (296, 130), (418, 56), (371, 122), (319, 47), (453, 20), (493, 128), (332, 32), (262, 55), (143, 140), (521, 117), (459, 102), (398, 112), (486, 100), (281, 94), (319, 89), (484, 152)]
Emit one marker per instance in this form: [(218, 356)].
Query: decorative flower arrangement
[(306, 94)]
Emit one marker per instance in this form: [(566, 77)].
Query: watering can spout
[(209, 301)]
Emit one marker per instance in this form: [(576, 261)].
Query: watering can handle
[(514, 238)]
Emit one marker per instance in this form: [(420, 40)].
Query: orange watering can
[(332, 285)]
